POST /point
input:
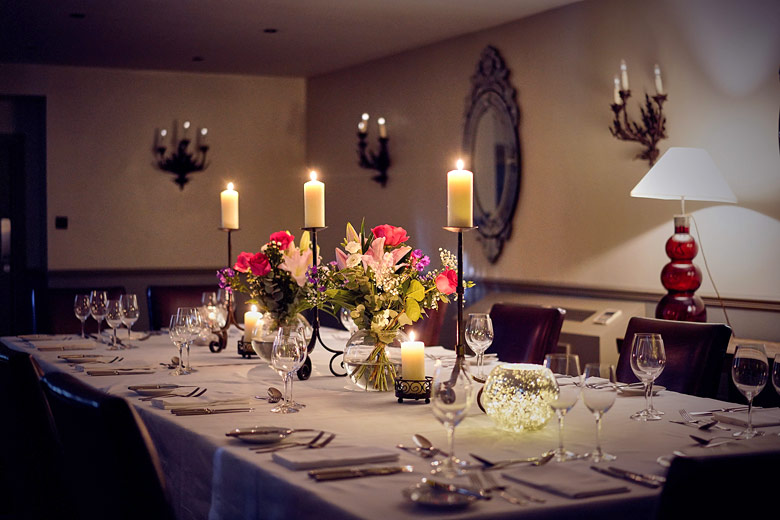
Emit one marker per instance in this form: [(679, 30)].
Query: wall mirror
[(491, 146)]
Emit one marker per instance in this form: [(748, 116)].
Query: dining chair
[(720, 486), (163, 300), (694, 354), (525, 333), (32, 482), (428, 329), (53, 309), (113, 468)]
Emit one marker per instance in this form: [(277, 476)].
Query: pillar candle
[(382, 127), (313, 202), (229, 201), (460, 188), (623, 74), (616, 93), (659, 86), (251, 318), (413, 359)]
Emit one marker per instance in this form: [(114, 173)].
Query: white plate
[(632, 391), (260, 434), (153, 389)]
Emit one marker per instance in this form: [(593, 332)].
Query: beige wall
[(123, 212), (576, 223)]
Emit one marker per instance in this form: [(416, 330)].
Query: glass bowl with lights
[(516, 396)]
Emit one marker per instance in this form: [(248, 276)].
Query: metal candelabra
[(222, 333), (652, 129), (460, 345)]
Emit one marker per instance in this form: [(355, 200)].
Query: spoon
[(424, 444), (711, 443), (274, 395)]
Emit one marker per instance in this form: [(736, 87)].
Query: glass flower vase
[(265, 333), (371, 364)]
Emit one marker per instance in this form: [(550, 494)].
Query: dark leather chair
[(721, 486), (163, 300), (31, 458), (428, 329), (694, 354), (113, 467), (54, 309), (525, 333)]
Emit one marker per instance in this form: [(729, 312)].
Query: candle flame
[(381, 120), (163, 132), (230, 186), (623, 65), (186, 124), (313, 175), (459, 164), (254, 308), (204, 131), (411, 336), (364, 116)]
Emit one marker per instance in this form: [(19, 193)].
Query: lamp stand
[(681, 277)]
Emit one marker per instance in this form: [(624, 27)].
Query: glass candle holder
[(517, 396)]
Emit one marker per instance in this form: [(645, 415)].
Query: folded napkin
[(92, 366), (53, 346), (50, 337), (332, 456), (761, 418), (86, 358), (179, 403), (570, 482)]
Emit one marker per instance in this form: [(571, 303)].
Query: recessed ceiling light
[(270, 30), (198, 58), (77, 16)]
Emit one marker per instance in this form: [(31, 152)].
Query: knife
[(342, 473), (710, 412), (208, 411), (627, 477), (120, 372), (644, 476)]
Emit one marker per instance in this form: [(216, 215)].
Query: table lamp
[(685, 174)]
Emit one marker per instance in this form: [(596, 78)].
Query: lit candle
[(229, 201), (363, 124), (460, 197), (659, 85), (623, 74), (251, 317), (313, 202), (202, 137), (413, 359), (616, 94), (186, 128), (382, 127), (160, 139)]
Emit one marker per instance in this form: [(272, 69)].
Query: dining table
[(210, 474)]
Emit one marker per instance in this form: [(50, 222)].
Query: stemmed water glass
[(177, 333), (81, 309), (452, 394), (648, 359), (130, 312), (750, 371), (192, 322), (98, 300), (566, 368), (114, 320), (479, 336), (287, 356), (346, 320), (598, 394)]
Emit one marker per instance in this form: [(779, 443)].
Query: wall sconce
[(653, 127), (181, 162), (371, 161)]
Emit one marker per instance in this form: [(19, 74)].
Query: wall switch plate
[(606, 316)]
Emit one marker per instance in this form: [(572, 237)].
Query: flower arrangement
[(276, 278), (380, 279)]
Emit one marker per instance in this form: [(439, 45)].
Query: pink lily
[(296, 263)]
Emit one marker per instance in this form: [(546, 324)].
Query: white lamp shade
[(687, 174)]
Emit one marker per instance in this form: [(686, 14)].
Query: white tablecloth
[(212, 476)]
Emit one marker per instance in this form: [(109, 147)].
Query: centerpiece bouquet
[(381, 280)]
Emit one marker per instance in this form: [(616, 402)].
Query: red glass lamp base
[(681, 307), (681, 277)]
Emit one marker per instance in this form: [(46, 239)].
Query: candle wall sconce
[(181, 161), (653, 127), (368, 159)]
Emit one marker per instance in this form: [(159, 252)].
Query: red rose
[(259, 265), (242, 262), (283, 238), (393, 235), (447, 281)]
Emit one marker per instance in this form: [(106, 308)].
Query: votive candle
[(413, 359), (460, 197), (313, 202), (229, 202), (251, 317)]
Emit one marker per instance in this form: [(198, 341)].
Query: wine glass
[(598, 394), (452, 394), (346, 320), (287, 356), (750, 371), (566, 368), (114, 319), (479, 336), (208, 298), (192, 323), (97, 307), (648, 359), (130, 312), (176, 331), (81, 309)]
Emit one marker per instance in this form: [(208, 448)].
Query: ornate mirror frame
[(491, 89)]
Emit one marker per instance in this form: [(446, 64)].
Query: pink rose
[(393, 235), (284, 238), (259, 264), (242, 262), (447, 281)]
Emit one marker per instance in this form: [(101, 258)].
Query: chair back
[(54, 309), (163, 300), (114, 469), (428, 329), (525, 333), (31, 455), (720, 486), (694, 354)]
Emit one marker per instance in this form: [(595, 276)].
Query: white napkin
[(570, 482), (761, 417), (50, 337), (86, 358), (52, 346), (121, 365), (174, 403), (332, 456)]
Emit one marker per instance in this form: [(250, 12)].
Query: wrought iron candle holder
[(181, 161), (413, 389), (460, 345), (370, 160), (222, 333)]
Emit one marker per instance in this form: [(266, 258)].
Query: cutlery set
[(318, 441), (197, 392), (642, 479), (208, 411), (487, 484)]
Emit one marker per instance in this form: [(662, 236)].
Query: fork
[(687, 417), (315, 443), (514, 493), (492, 485), (195, 393)]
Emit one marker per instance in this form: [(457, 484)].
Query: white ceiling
[(314, 36)]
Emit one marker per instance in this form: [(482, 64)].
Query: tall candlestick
[(659, 85), (623, 74), (313, 202), (616, 93), (460, 196), (413, 359), (382, 127), (229, 202), (251, 317)]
